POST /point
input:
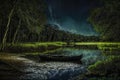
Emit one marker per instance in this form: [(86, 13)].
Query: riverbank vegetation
[(105, 20), (24, 29), (46, 46), (33, 47), (106, 69)]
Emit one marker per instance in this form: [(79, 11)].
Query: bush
[(109, 66)]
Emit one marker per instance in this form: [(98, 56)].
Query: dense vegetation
[(20, 16), (23, 26), (108, 67), (52, 33), (105, 20), (25, 21)]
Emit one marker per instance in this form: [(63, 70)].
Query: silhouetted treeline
[(53, 33), (48, 33)]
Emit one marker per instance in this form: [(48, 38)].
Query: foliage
[(26, 24), (31, 13), (50, 33), (33, 47), (109, 66), (105, 20), (53, 33)]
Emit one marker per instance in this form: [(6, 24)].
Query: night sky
[(71, 15)]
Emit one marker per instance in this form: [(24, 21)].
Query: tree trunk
[(38, 38), (7, 28), (16, 32)]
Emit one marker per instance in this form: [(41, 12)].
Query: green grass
[(98, 43), (42, 46), (33, 47), (110, 46), (36, 44), (110, 66)]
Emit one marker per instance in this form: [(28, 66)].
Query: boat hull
[(60, 58)]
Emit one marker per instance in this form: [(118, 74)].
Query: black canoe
[(60, 58)]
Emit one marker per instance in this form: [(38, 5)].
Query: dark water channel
[(64, 70)]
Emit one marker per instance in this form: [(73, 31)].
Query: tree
[(27, 14), (32, 14), (105, 20), (7, 26)]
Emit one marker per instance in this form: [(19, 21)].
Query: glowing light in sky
[(71, 15)]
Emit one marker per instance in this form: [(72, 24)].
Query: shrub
[(110, 66)]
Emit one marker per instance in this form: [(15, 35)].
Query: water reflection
[(63, 70), (89, 56), (53, 71)]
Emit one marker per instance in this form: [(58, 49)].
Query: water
[(89, 56), (63, 70)]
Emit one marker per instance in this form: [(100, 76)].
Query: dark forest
[(59, 40)]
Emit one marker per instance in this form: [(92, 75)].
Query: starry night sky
[(71, 15)]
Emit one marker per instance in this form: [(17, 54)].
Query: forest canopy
[(25, 21), (105, 20), (20, 16)]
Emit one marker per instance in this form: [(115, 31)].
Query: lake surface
[(63, 70)]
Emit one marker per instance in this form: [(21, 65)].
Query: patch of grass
[(36, 44), (110, 66), (98, 43), (110, 46), (33, 47), (42, 46)]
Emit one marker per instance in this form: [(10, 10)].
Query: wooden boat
[(60, 58)]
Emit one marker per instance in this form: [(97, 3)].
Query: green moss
[(106, 67)]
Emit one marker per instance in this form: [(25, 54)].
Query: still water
[(63, 70)]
